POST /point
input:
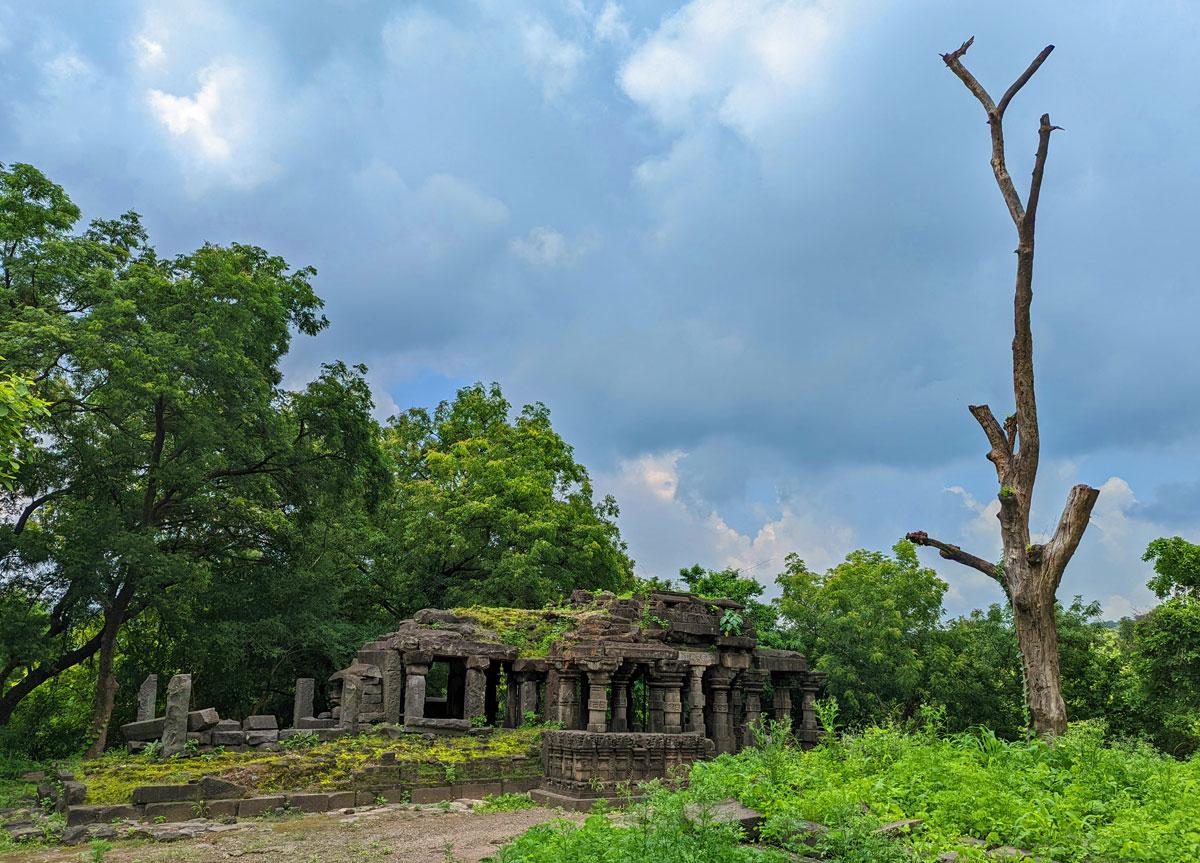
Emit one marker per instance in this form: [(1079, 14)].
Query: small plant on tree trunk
[(1029, 572)]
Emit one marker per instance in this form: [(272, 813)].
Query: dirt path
[(392, 836)]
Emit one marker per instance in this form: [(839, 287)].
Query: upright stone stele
[(415, 669), (303, 708), (179, 698), (147, 698), (351, 702)]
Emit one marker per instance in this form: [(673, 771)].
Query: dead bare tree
[(1030, 573)]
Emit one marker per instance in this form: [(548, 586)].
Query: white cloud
[(610, 24), (220, 129), (549, 59), (148, 51), (67, 69), (548, 248), (742, 63), (657, 523)]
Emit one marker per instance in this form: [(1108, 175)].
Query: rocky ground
[(397, 834)]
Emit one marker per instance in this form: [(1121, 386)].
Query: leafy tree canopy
[(731, 584), (171, 454), (490, 509), (1176, 567)]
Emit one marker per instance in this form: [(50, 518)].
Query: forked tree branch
[(1071, 525), (953, 552), (1001, 453)]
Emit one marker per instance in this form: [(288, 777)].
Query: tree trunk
[(1037, 637), (106, 683)]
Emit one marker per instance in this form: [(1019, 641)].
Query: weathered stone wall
[(587, 764)]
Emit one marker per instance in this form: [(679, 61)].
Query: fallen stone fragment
[(727, 812), (905, 825), (215, 788)]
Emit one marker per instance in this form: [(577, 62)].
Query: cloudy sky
[(749, 252)]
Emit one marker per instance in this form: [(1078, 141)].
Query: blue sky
[(749, 253)]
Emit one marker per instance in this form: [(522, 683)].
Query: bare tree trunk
[(1031, 573), (1037, 638)]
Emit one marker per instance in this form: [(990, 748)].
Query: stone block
[(181, 811), (309, 801), (147, 696), (228, 738), (435, 794), (73, 792), (83, 815), (477, 790), (228, 725), (252, 807), (727, 812), (149, 729), (201, 720), (364, 798), (200, 738), (218, 809), (341, 799), (215, 788), (262, 722), (311, 723), (256, 738), (144, 794), (521, 785)]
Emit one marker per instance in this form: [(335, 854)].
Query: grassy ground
[(324, 766)]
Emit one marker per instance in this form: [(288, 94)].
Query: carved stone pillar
[(567, 697), (721, 729), (416, 666), (529, 696), (666, 706), (599, 678), (696, 701), (781, 704), (475, 687), (620, 701), (810, 732), (752, 687)]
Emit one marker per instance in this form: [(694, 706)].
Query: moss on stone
[(531, 631), (326, 767)]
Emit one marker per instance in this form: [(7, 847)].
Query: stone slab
[(309, 802), (202, 720), (438, 726), (228, 738), (255, 738), (252, 807), (152, 729), (144, 794), (576, 804), (435, 794), (727, 812), (341, 799), (218, 809), (215, 788), (261, 722), (181, 811), (310, 723)]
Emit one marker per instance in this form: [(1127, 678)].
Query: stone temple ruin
[(630, 688)]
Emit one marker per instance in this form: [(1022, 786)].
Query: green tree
[(731, 584), (171, 456), (19, 410), (1176, 567), (490, 509), (868, 623)]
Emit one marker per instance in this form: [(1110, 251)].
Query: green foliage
[(731, 622), (531, 631), (1176, 567), (1079, 800), (176, 482), (1166, 675), (505, 803), (731, 584), (657, 831), (303, 740), (98, 850), (867, 623), (491, 510), (20, 409)]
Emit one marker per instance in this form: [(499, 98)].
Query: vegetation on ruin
[(1080, 800), (324, 767), (531, 631)]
